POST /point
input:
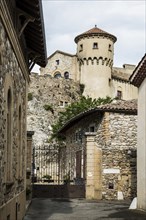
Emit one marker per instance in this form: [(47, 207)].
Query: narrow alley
[(81, 209)]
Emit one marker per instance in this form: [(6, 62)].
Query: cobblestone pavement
[(80, 209)]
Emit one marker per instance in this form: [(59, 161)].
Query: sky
[(125, 19)]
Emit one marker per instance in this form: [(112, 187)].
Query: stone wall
[(76, 141), (12, 192), (117, 137), (117, 140), (52, 93)]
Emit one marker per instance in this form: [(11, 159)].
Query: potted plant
[(47, 178)]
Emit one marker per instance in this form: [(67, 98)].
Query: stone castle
[(59, 83), (92, 66)]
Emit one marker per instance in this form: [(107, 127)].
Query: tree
[(84, 104)]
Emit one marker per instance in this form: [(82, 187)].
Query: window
[(91, 129), (95, 45), (61, 104), (110, 47), (81, 48), (119, 94), (57, 75), (9, 136), (57, 62), (66, 103), (111, 185), (66, 75), (78, 163), (78, 136)]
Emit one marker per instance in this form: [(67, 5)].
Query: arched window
[(57, 75), (9, 136), (66, 75)]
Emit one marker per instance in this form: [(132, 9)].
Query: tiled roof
[(139, 73), (96, 32), (121, 106), (61, 52)]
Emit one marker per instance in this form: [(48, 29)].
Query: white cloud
[(61, 42), (125, 19)]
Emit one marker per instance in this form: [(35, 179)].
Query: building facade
[(138, 79), (101, 150), (92, 66), (17, 56)]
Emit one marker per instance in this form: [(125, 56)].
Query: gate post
[(93, 168)]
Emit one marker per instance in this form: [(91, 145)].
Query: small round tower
[(95, 51)]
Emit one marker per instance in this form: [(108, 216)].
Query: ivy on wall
[(75, 108)]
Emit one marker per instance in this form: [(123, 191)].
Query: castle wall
[(95, 76), (89, 49), (128, 90), (61, 63), (95, 57)]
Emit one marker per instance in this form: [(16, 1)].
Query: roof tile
[(95, 31)]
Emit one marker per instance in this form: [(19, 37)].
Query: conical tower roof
[(95, 32)]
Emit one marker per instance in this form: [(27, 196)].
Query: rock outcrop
[(47, 97)]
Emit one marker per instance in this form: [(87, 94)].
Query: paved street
[(80, 209)]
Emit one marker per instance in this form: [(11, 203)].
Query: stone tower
[(95, 51)]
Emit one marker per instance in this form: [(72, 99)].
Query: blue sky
[(125, 19)]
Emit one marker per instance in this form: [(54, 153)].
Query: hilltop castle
[(92, 66)]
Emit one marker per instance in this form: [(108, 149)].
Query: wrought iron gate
[(51, 176)]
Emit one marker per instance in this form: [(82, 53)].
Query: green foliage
[(48, 177), (82, 87), (30, 96), (74, 109), (49, 108)]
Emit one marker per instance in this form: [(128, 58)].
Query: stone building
[(92, 66), (138, 79), (22, 44), (101, 150)]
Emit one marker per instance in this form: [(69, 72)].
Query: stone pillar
[(93, 168)]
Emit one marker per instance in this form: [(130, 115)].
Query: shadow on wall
[(132, 157)]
